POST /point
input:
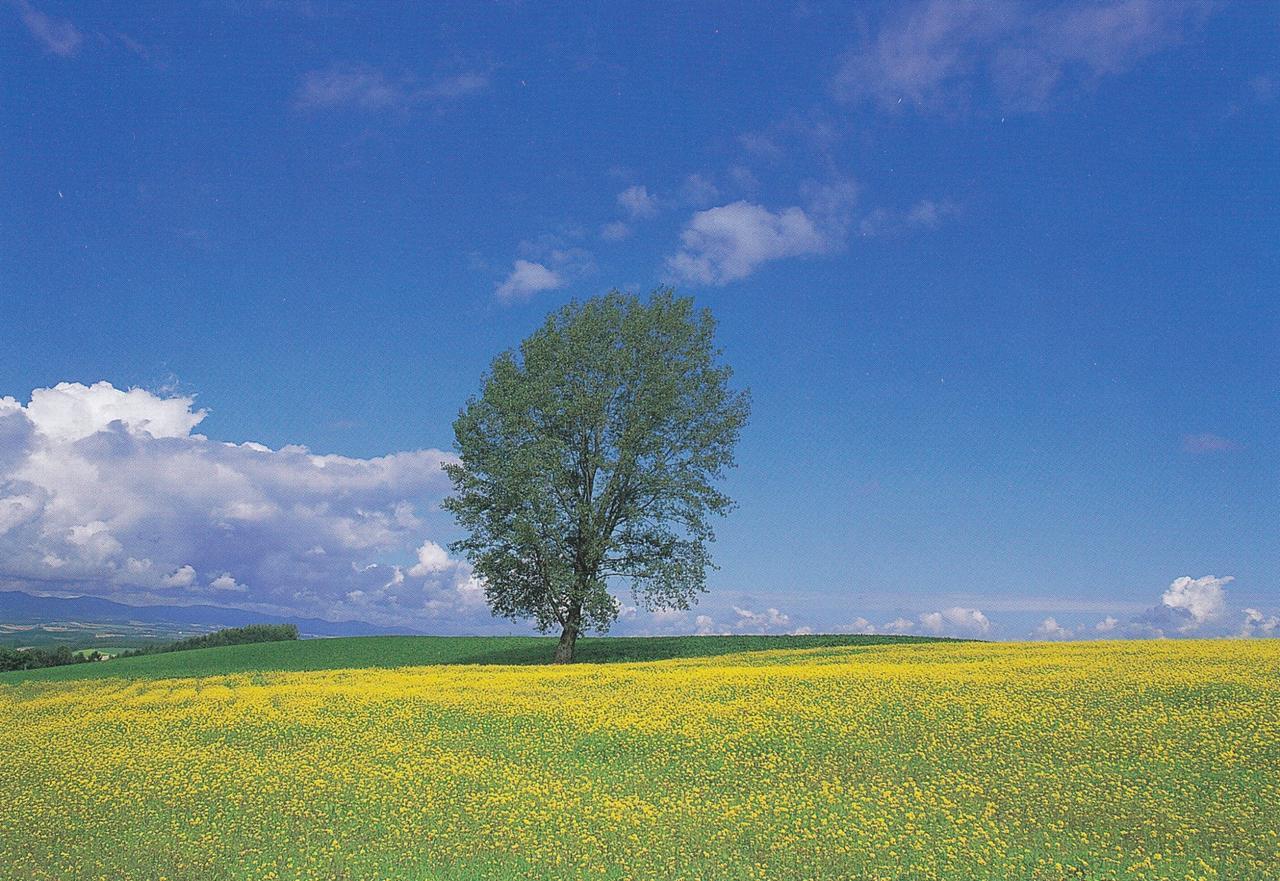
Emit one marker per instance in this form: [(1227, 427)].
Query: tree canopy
[(592, 454)]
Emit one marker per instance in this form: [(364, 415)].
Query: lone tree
[(592, 454)]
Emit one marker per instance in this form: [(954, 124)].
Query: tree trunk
[(564, 650)]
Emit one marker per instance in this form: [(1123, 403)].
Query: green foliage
[(251, 633), (593, 454), (38, 658), (407, 651)]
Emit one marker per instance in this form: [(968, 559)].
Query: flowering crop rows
[(944, 761)]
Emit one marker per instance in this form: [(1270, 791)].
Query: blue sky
[(1002, 280)]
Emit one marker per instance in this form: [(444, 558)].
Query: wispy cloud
[(615, 231), (57, 35), (637, 202), (940, 55), (925, 214), (699, 191), (1207, 443), (362, 87), (451, 88)]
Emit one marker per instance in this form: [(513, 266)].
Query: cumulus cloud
[(431, 559), (724, 244), (183, 576), (944, 54), (547, 262), (226, 581), (729, 242), (1107, 625), (111, 492), (70, 411), (1050, 629), (898, 626), (956, 621), (769, 621), (56, 35), (1203, 599), (526, 279), (362, 87), (1258, 624), (1196, 607)]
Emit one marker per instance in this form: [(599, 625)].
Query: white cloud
[(71, 411), (57, 35), (431, 559), (615, 231), (367, 88), (1106, 625), (1258, 624), (111, 493), (704, 625), (770, 620), (1202, 598), (526, 279), (730, 242), (944, 54), (899, 626), (956, 620), (183, 576), (1050, 629), (699, 191), (637, 202), (225, 581)]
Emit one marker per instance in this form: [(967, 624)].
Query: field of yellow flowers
[(945, 761)]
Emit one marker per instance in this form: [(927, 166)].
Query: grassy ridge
[(412, 651)]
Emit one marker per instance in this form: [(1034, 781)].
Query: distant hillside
[(402, 651), (18, 607)]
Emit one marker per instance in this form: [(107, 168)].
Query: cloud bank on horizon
[(112, 493)]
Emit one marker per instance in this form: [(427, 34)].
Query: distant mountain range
[(17, 607)]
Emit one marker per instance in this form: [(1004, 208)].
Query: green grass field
[(407, 651), (340, 760)]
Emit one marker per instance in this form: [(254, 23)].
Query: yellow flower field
[(942, 761)]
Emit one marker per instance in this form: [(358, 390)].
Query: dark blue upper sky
[(1002, 278)]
